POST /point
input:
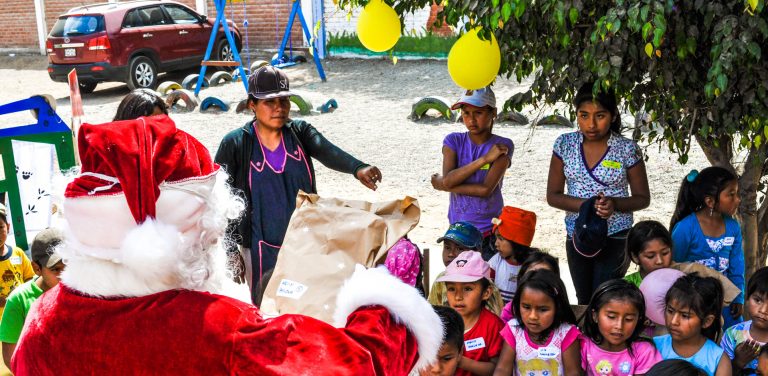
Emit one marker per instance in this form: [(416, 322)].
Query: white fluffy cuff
[(376, 286)]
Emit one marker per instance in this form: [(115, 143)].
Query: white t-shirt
[(505, 276)]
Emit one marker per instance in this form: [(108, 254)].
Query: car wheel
[(88, 87), (142, 73), (224, 53)]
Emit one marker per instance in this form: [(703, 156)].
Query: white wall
[(336, 20)]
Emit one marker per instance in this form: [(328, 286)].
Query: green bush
[(428, 45)]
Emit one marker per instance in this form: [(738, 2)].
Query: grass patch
[(428, 45)]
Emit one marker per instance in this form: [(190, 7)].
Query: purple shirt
[(478, 211), (276, 158)]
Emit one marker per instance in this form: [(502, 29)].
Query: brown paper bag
[(326, 237), (730, 291)]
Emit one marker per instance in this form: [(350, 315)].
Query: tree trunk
[(754, 233)]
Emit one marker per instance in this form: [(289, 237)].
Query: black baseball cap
[(268, 82)]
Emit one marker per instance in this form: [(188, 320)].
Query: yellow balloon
[(474, 63), (378, 26)]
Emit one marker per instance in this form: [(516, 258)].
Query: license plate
[(69, 52)]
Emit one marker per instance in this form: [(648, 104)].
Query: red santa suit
[(121, 309)]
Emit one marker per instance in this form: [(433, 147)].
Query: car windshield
[(77, 25)]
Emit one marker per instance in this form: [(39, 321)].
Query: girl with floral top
[(596, 161)]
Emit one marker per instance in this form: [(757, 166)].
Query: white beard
[(155, 259), (156, 256)]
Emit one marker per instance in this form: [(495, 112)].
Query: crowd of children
[(503, 304)]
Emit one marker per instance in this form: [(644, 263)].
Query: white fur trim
[(376, 286)]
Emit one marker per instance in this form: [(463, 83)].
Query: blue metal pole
[(309, 37)]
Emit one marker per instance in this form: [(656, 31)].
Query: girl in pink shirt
[(543, 339), (611, 343)]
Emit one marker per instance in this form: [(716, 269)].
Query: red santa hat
[(132, 171)]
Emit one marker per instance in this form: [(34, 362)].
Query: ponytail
[(685, 201), (696, 187)]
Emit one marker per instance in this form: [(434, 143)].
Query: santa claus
[(146, 273)]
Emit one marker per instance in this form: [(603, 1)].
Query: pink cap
[(468, 266), (403, 261)]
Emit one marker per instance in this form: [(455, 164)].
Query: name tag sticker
[(611, 164), (291, 289), (486, 166), (728, 241), (474, 344), (15, 260), (548, 352)]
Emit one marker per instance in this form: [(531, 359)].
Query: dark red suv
[(131, 42)]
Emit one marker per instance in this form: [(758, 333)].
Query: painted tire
[(190, 101), (305, 107), (258, 64), (209, 102), (236, 74), (422, 105), (512, 116), (556, 120), (168, 86), (219, 78), (329, 106), (190, 82), (242, 106)]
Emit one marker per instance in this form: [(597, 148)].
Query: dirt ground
[(375, 99)]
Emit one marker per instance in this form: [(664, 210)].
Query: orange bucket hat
[(516, 225)]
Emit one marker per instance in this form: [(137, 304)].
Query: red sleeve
[(372, 343), (570, 337)]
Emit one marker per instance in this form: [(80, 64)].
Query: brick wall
[(17, 26), (266, 21)]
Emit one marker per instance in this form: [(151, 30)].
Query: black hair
[(138, 103), (550, 284), (520, 252), (675, 367), (615, 289), (538, 257), (703, 296), (453, 326), (758, 283), (605, 97), (639, 236), (696, 187)]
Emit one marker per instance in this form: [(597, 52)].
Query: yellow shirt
[(15, 269)]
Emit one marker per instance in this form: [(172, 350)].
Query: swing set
[(237, 62)]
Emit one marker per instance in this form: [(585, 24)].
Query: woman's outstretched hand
[(369, 176)]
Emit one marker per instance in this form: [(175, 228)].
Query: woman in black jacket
[(269, 160)]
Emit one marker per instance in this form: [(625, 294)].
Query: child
[(542, 340), (597, 162), (47, 266), (14, 264), (675, 367), (692, 316), (704, 231), (742, 342), (649, 245), (611, 344), (535, 261), (467, 281), (474, 163), (513, 230), (762, 362), (453, 342), (460, 237)]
